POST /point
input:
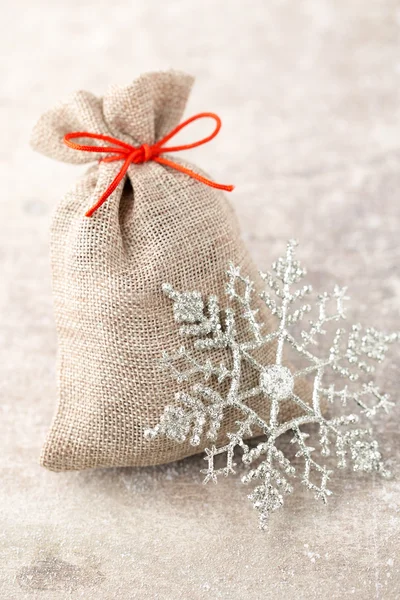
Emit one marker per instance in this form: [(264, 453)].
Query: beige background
[(310, 98)]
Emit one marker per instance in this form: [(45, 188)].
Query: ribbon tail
[(114, 184), (173, 165)]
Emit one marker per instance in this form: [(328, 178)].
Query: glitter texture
[(350, 358)]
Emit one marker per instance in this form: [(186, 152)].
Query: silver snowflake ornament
[(199, 413)]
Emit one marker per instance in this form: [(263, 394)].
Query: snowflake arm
[(194, 366)]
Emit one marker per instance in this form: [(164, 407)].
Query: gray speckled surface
[(310, 98)]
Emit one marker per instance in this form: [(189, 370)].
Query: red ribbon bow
[(130, 154)]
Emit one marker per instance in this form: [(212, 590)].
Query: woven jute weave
[(112, 319)]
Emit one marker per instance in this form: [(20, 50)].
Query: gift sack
[(158, 225)]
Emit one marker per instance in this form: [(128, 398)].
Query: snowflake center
[(277, 381)]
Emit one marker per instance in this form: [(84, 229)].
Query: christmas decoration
[(199, 412)]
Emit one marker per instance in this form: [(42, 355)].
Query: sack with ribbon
[(136, 219)]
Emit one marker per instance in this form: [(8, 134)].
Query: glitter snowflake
[(201, 412)]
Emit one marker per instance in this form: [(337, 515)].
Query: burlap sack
[(112, 318)]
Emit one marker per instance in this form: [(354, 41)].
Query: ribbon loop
[(121, 151)]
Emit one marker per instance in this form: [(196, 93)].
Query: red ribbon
[(130, 154)]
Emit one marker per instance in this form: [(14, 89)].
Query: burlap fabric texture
[(112, 318)]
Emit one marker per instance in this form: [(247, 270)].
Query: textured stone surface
[(310, 98)]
